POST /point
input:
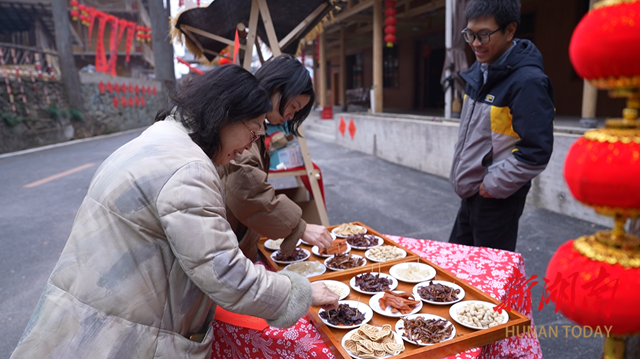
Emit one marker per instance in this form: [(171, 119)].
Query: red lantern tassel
[(101, 57)]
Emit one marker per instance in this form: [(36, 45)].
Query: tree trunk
[(162, 48), (70, 77)]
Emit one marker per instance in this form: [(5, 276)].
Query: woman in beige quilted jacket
[(150, 254)]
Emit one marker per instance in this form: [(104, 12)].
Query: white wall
[(426, 144)]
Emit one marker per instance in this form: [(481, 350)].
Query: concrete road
[(35, 221)]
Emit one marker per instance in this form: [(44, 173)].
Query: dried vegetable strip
[(402, 302), (426, 331)]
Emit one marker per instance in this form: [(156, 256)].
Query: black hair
[(287, 74), (503, 11), (209, 102)]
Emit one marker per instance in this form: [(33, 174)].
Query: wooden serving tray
[(465, 338), (266, 254)]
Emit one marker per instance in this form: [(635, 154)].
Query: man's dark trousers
[(489, 222)]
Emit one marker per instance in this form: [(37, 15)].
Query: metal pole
[(589, 98)]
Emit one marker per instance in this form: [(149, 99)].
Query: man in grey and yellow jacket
[(506, 127)]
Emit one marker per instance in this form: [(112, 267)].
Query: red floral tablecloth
[(490, 270)]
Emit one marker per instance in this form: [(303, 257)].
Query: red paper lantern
[(74, 14), (604, 174), (617, 303), (390, 22), (604, 47), (81, 7), (74, 3)]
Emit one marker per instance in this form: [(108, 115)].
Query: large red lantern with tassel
[(390, 22), (602, 169)]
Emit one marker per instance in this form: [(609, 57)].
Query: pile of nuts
[(385, 253), (479, 315)]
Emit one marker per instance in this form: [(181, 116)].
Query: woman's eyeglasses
[(254, 136)]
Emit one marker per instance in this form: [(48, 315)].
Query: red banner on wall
[(101, 57), (113, 46), (131, 30)]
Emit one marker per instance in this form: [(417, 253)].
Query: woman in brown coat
[(253, 209)]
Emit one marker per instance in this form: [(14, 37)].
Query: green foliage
[(12, 119), (76, 115), (54, 112)]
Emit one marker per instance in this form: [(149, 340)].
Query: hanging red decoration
[(115, 102), (155, 92), (137, 89), (116, 87), (390, 22), (123, 101), (92, 12), (602, 271), (74, 10), (109, 87), (143, 101), (131, 102), (113, 46), (137, 101), (101, 87), (131, 28), (101, 57), (123, 88), (130, 88)]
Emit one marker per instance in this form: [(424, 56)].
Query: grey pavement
[(35, 222)]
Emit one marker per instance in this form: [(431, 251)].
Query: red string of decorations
[(390, 22), (22, 95), (6, 81), (74, 10)]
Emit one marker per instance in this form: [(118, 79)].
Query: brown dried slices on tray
[(296, 255), (344, 261), (344, 315), (403, 303), (427, 331), (370, 282), (437, 292)]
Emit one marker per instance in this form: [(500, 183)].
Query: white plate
[(270, 244), (373, 259), (400, 328), (394, 272), (307, 255), (349, 334), (321, 269), (316, 250), (380, 242), (453, 312), (353, 255), (340, 284), (344, 235), (392, 286), (363, 308), (375, 305), (333, 236), (448, 284)]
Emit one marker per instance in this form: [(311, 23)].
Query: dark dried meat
[(344, 315), (438, 293), (296, 255), (370, 282), (362, 240)]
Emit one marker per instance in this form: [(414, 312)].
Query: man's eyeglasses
[(483, 37), (254, 136)]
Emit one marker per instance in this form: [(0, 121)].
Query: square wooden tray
[(465, 338)]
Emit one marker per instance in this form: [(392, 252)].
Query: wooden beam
[(365, 29), (331, 44), (192, 38), (209, 35), (75, 35), (364, 4), (342, 86), (377, 56), (268, 25), (68, 69), (421, 9), (252, 35), (259, 50), (360, 18), (301, 26)]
